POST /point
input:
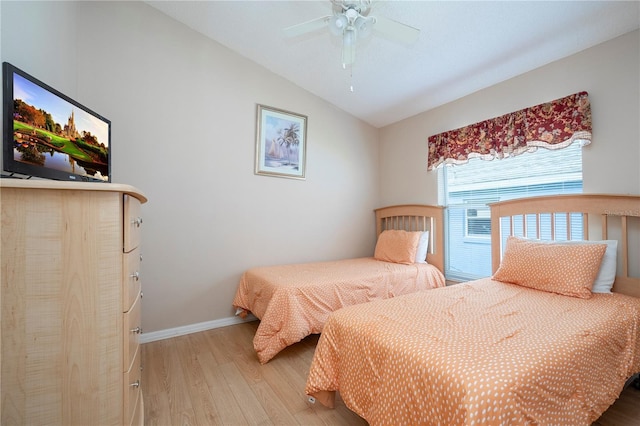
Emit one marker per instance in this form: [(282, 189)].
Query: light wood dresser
[(70, 300)]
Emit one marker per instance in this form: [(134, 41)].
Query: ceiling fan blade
[(395, 30), (307, 27)]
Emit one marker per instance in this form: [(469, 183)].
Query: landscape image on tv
[(48, 131)]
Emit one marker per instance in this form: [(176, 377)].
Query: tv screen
[(49, 135)]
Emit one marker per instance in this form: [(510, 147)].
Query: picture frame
[(281, 143)]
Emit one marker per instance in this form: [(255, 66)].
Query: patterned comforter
[(294, 301), (480, 353)]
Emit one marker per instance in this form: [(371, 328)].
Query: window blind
[(467, 189)]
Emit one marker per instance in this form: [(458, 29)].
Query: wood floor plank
[(233, 344), (177, 385), (226, 405), (274, 407), (246, 359), (214, 378), (246, 399), (310, 418), (153, 360), (199, 343), (156, 409), (292, 396), (216, 342), (198, 390)]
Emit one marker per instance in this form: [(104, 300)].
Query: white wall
[(609, 72), (183, 112), (28, 40)]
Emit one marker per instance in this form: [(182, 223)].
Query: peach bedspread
[(481, 353), (294, 301)]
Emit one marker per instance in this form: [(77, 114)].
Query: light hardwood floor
[(214, 378)]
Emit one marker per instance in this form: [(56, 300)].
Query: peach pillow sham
[(567, 269), (397, 246)]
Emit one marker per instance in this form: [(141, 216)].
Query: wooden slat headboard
[(599, 217), (416, 217)]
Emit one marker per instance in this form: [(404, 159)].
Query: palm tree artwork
[(285, 145), (281, 143), (290, 139)]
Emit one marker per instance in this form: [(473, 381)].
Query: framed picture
[(281, 143)]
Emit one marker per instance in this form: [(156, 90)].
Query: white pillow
[(423, 246), (607, 272), (608, 266)]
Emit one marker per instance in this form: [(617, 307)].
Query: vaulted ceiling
[(463, 46)]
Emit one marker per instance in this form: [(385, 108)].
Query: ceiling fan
[(351, 20)]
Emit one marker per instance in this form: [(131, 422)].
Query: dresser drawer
[(132, 388), (132, 223), (131, 280), (132, 330)]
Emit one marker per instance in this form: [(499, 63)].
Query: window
[(467, 190), (478, 222)]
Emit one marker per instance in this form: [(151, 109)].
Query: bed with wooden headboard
[(293, 301), (550, 338), (603, 216)]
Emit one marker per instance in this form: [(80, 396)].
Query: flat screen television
[(49, 135)]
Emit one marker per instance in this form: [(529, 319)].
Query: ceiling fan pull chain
[(351, 76)]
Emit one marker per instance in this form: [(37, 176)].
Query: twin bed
[(294, 301), (533, 345)]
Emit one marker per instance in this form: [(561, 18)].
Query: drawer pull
[(136, 330), (135, 384), (137, 222), (135, 276)]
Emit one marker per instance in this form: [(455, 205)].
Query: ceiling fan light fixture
[(363, 25), (337, 24), (349, 46), (349, 36), (351, 14)]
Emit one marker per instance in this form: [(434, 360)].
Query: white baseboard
[(193, 328)]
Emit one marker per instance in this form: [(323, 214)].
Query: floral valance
[(551, 125)]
